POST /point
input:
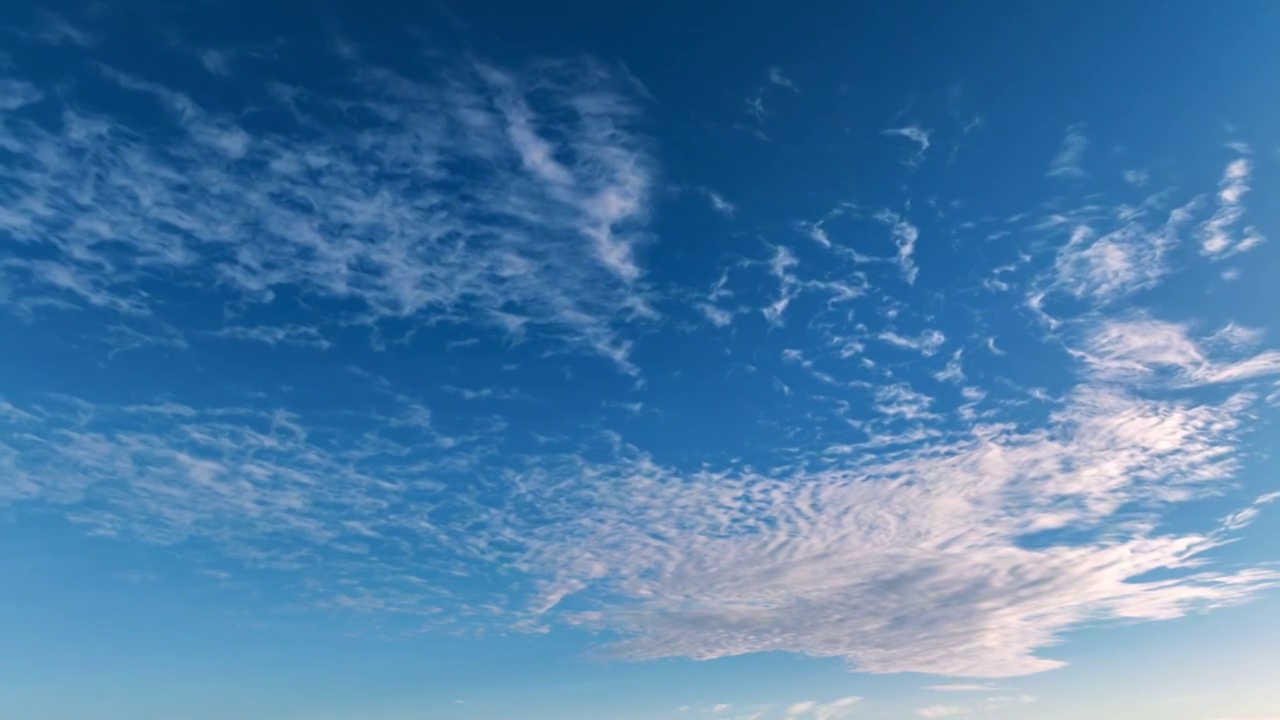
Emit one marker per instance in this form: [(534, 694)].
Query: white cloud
[(927, 343), (941, 711), (445, 198), (1142, 349), (900, 401), (937, 544), (1217, 238), (1003, 701), (915, 134), (715, 563), (1236, 337), (720, 205), (714, 315), (777, 78), (17, 93), (905, 236), (1137, 178), (781, 266), (1066, 164), (284, 335), (725, 563), (954, 371), (216, 62), (1120, 261), (1243, 518), (834, 710)]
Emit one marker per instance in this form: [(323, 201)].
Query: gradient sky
[(695, 361)]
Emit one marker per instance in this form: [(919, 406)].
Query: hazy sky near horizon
[(712, 361)]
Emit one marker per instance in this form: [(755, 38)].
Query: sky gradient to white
[(707, 361)]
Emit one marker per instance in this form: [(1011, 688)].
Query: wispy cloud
[(905, 236), (941, 711), (954, 371), (286, 335), (906, 514), (834, 710), (17, 93), (1122, 259), (1217, 239), (443, 198), (1243, 518), (57, 30), (1066, 164), (781, 267), (217, 62), (777, 78), (915, 134), (755, 102), (719, 204), (1145, 349), (1137, 178), (926, 343)]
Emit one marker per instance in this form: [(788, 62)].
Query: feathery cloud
[(514, 199), (777, 78), (915, 134), (1066, 164), (941, 711), (1216, 232)]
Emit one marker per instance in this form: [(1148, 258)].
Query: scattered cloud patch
[(777, 78), (1137, 178), (941, 711), (953, 372), (915, 134), (1218, 239), (216, 62), (1066, 164), (926, 343), (905, 236), (1120, 260), (834, 710), (719, 204)]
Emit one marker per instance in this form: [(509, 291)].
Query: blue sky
[(712, 361)]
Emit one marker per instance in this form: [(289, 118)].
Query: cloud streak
[(915, 134), (1066, 164)]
